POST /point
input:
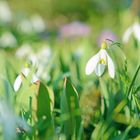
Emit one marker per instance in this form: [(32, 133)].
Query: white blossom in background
[(24, 51), (7, 39), (99, 62), (40, 59), (133, 30), (25, 26), (24, 73), (34, 24), (44, 56), (37, 23), (5, 12)]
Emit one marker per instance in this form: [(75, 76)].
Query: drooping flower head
[(100, 61), (24, 73), (39, 60), (34, 24), (7, 39), (5, 12), (133, 30)]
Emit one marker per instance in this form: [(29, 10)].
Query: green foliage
[(70, 112), (44, 112)]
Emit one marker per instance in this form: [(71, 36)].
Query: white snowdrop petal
[(91, 64), (17, 83), (25, 71), (34, 79), (127, 34), (99, 70), (103, 54), (33, 59), (111, 68), (136, 30)]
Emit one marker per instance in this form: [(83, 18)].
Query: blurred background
[(100, 15), (77, 25), (49, 17)]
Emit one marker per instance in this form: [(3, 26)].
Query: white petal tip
[(91, 64), (17, 83), (87, 72), (112, 76), (111, 67)]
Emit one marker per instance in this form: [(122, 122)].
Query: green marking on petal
[(26, 65), (102, 61)]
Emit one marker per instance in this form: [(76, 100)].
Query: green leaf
[(133, 81), (44, 111), (64, 67), (122, 119), (25, 95), (70, 112), (103, 130), (137, 89)]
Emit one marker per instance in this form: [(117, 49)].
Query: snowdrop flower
[(25, 72), (33, 59), (5, 13), (8, 40), (34, 24), (99, 62), (44, 56), (40, 59), (37, 23), (24, 50), (25, 26), (132, 30)]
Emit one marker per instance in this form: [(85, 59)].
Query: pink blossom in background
[(106, 34), (74, 29)]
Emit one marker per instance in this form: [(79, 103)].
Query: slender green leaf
[(133, 81), (70, 112), (44, 111)]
